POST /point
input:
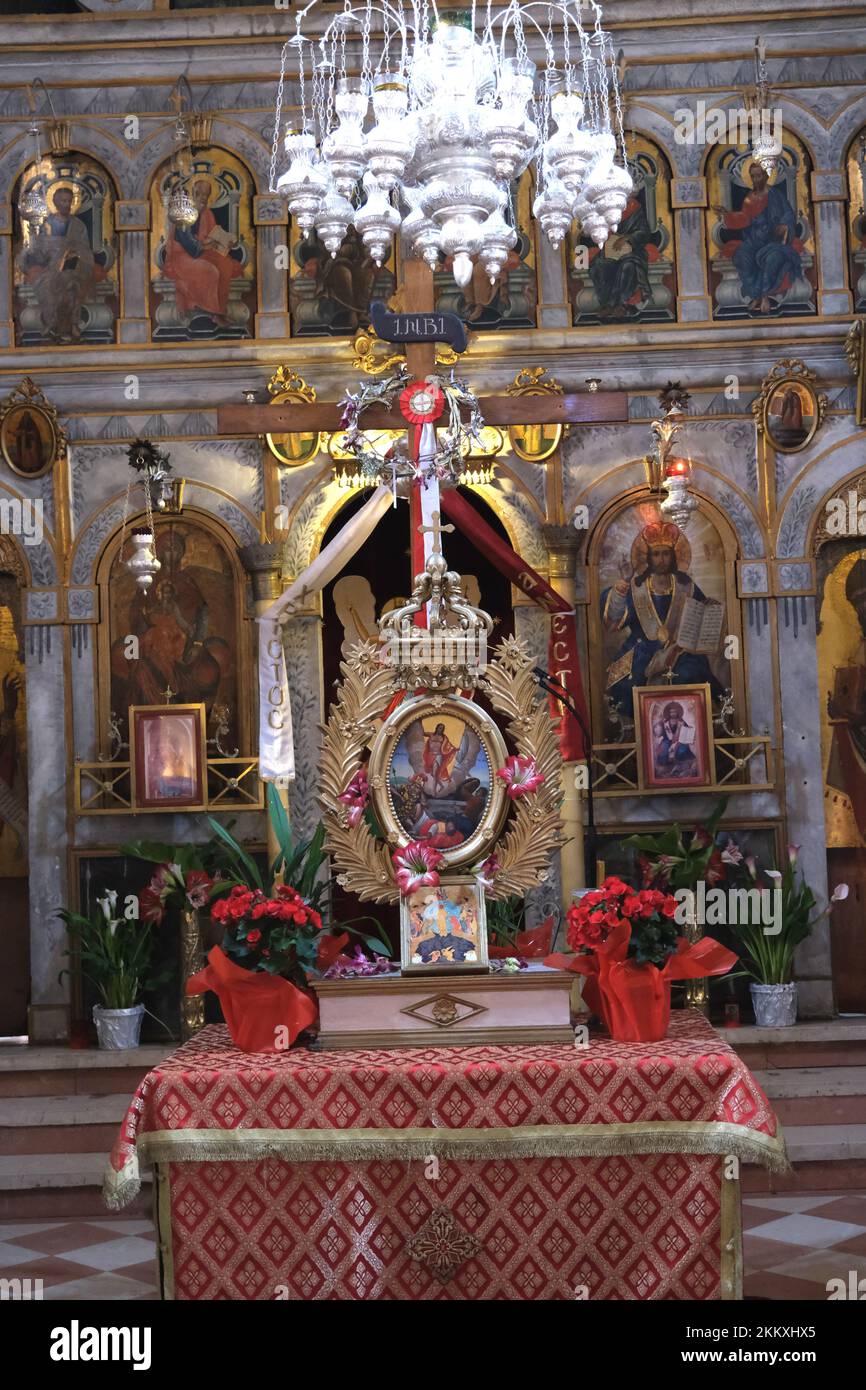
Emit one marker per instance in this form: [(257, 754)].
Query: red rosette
[(421, 402)]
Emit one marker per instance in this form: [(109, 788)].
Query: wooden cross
[(576, 407), (436, 530)]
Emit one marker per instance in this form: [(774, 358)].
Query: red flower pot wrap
[(531, 945), (255, 1004), (634, 1000)]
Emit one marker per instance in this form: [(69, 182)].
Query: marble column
[(271, 219), (132, 219), (804, 788), (48, 766), (689, 199), (830, 198), (554, 310), (7, 328)]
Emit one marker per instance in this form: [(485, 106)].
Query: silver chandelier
[(459, 111)]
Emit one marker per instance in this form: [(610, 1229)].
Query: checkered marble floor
[(791, 1247), (82, 1260)]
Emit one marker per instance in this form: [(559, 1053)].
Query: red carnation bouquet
[(628, 948)]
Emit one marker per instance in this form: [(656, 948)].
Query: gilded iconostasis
[(166, 282)]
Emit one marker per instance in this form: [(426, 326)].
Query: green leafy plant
[(770, 955), (681, 856), (505, 919), (112, 952), (302, 867)]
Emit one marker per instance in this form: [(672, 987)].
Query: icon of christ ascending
[(440, 781)]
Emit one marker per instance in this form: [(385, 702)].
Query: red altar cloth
[(471, 1172)]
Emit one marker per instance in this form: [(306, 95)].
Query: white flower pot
[(118, 1028), (775, 1005)]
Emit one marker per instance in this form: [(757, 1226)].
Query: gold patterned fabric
[(465, 1172)]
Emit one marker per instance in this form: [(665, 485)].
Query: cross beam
[(582, 408), (416, 291)]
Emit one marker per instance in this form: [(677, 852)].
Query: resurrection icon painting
[(443, 928), (433, 776)]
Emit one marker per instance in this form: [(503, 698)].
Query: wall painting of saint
[(633, 276), (842, 670), (331, 295), (186, 625), (661, 609), (760, 234), (203, 274), (65, 266), (857, 220)]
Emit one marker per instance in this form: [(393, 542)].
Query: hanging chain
[(617, 100), (366, 65), (147, 504), (589, 92), (568, 70), (302, 85), (347, 12), (125, 518), (272, 182)]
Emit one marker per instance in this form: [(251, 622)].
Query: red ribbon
[(531, 945), (634, 1000), (562, 656), (255, 1005)]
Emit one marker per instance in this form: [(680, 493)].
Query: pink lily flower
[(356, 796), (488, 871), (521, 775), (415, 866)]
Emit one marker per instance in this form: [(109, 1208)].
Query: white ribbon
[(429, 492), (276, 747)]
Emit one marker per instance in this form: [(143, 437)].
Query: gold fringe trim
[(524, 1141), (121, 1188)]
